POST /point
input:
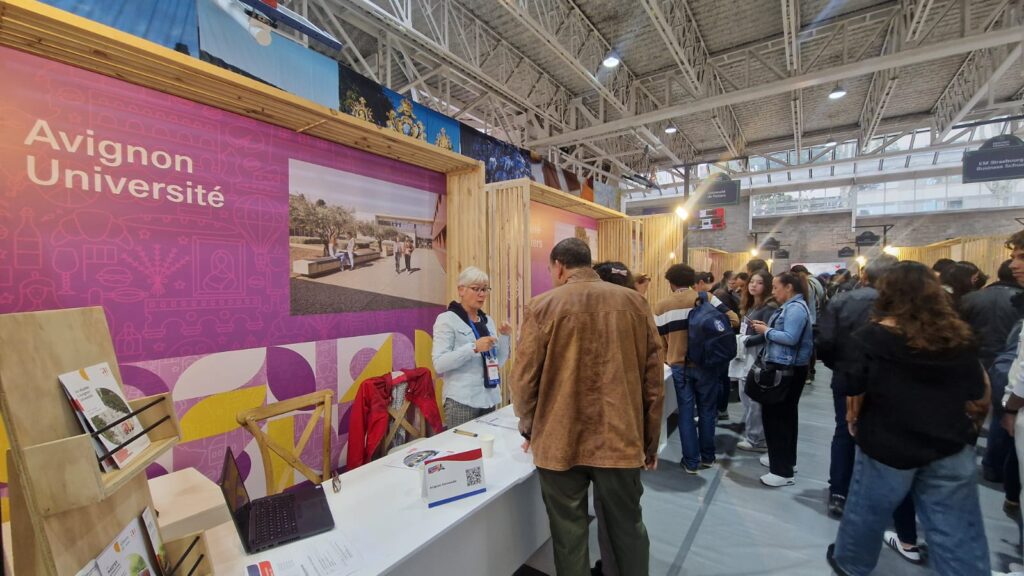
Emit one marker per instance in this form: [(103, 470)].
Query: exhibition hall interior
[(511, 287)]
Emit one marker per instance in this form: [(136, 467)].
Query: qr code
[(474, 477)]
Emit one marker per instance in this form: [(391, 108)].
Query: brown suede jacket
[(587, 383)]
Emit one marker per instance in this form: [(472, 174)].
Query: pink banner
[(549, 226), (174, 216)]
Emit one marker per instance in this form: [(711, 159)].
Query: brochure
[(107, 464), (127, 555), (412, 458), (156, 542), (96, 394), (90, 569)]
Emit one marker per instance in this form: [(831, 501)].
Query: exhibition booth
[(247, 263)]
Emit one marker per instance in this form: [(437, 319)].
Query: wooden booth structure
[(506, 210), (64, 510), (718, 261), (986, 252)]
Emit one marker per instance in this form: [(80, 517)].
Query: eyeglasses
[(479, 289)]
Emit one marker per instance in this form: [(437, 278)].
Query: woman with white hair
[(467, 354)]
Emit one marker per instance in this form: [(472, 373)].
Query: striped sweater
[(672, 314)]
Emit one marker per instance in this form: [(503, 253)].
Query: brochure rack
[(64, 509)]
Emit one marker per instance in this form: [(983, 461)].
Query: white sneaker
[(912, 555), (765, 462), (774, 481), (748, 446)]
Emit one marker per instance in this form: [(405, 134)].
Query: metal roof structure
[(737, 78)]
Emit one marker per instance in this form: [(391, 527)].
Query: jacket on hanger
[(369, 422)]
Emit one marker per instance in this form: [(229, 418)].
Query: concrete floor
[(723, 522)]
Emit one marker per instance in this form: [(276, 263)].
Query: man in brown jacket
[(587, 387)]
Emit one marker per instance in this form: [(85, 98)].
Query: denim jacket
[(790, 338), (460, 367)]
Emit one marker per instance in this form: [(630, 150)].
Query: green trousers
[(619, 490)]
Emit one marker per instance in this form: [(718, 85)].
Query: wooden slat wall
[(615, 241), (986, 253), (508, 225), (467, 224), (662, 245)]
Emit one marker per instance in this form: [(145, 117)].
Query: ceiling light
[(861, 261), (891, 250), (671, 255), (671, 130), (611, 61), (753, 252), (837, 92), (682, 213)]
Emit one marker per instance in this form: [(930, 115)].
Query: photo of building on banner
[(359, 244)]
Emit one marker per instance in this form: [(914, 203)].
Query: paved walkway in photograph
[(424, 283)]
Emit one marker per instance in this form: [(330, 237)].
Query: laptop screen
[(234, 494)]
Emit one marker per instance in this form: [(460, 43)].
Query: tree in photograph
[(319, 219)]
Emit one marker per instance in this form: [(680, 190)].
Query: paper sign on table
[(412, 458), (453, 477), (329, 554)]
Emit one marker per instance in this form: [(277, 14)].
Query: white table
[(380, 511)]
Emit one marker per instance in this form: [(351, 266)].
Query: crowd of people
[(920, 357)]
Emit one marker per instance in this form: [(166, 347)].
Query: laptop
[(273, 520)]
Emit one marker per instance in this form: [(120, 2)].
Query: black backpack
[(711, 339)]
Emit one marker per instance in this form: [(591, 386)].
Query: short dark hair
[(942, 264), (1005, 274), (743, 276), (727, 275), (878, 266), (572, 253), (799, 269), (680, 275), (705, 277), (1015, 242), (755, 265)]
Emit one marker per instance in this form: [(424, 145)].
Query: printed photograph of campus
[(359, 244)]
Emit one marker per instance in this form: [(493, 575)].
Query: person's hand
[(759, 327), (651, 463), (485, 344), (526, 445), (852, 427), (505, 329), (1009, 422)]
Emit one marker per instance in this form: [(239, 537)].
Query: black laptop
[(273, 520)]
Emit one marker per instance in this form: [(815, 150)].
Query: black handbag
[(768, 382)]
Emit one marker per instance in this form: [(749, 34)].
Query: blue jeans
[(946, 497), (697, 393), (843, 446)]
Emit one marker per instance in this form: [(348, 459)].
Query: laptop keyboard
[(273, 519)]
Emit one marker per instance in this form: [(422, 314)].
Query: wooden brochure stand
[(64, 509)]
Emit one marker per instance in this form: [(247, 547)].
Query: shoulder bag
[(768, 382)]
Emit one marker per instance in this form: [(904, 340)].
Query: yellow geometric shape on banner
[(282, 431), (216, 415), (5, 445), (381, 364), (425, 359)]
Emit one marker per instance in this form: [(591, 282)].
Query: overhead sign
[(718, 190), (846, 252), (867, 238), (999, 158), (782, 254), (770, 244), (710, 219)]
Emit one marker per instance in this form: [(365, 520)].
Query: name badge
[(745, 326), (493, 373)]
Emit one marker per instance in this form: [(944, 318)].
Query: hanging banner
[(718, 190), (999, 158)]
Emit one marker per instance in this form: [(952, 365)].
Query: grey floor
[(723, 522)]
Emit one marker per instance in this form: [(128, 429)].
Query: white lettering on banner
[(111, 154)]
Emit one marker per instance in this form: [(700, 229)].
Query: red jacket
[(369, 422)]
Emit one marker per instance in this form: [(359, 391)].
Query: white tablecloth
[(380, 511)]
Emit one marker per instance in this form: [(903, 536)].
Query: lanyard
[(472, 325)]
